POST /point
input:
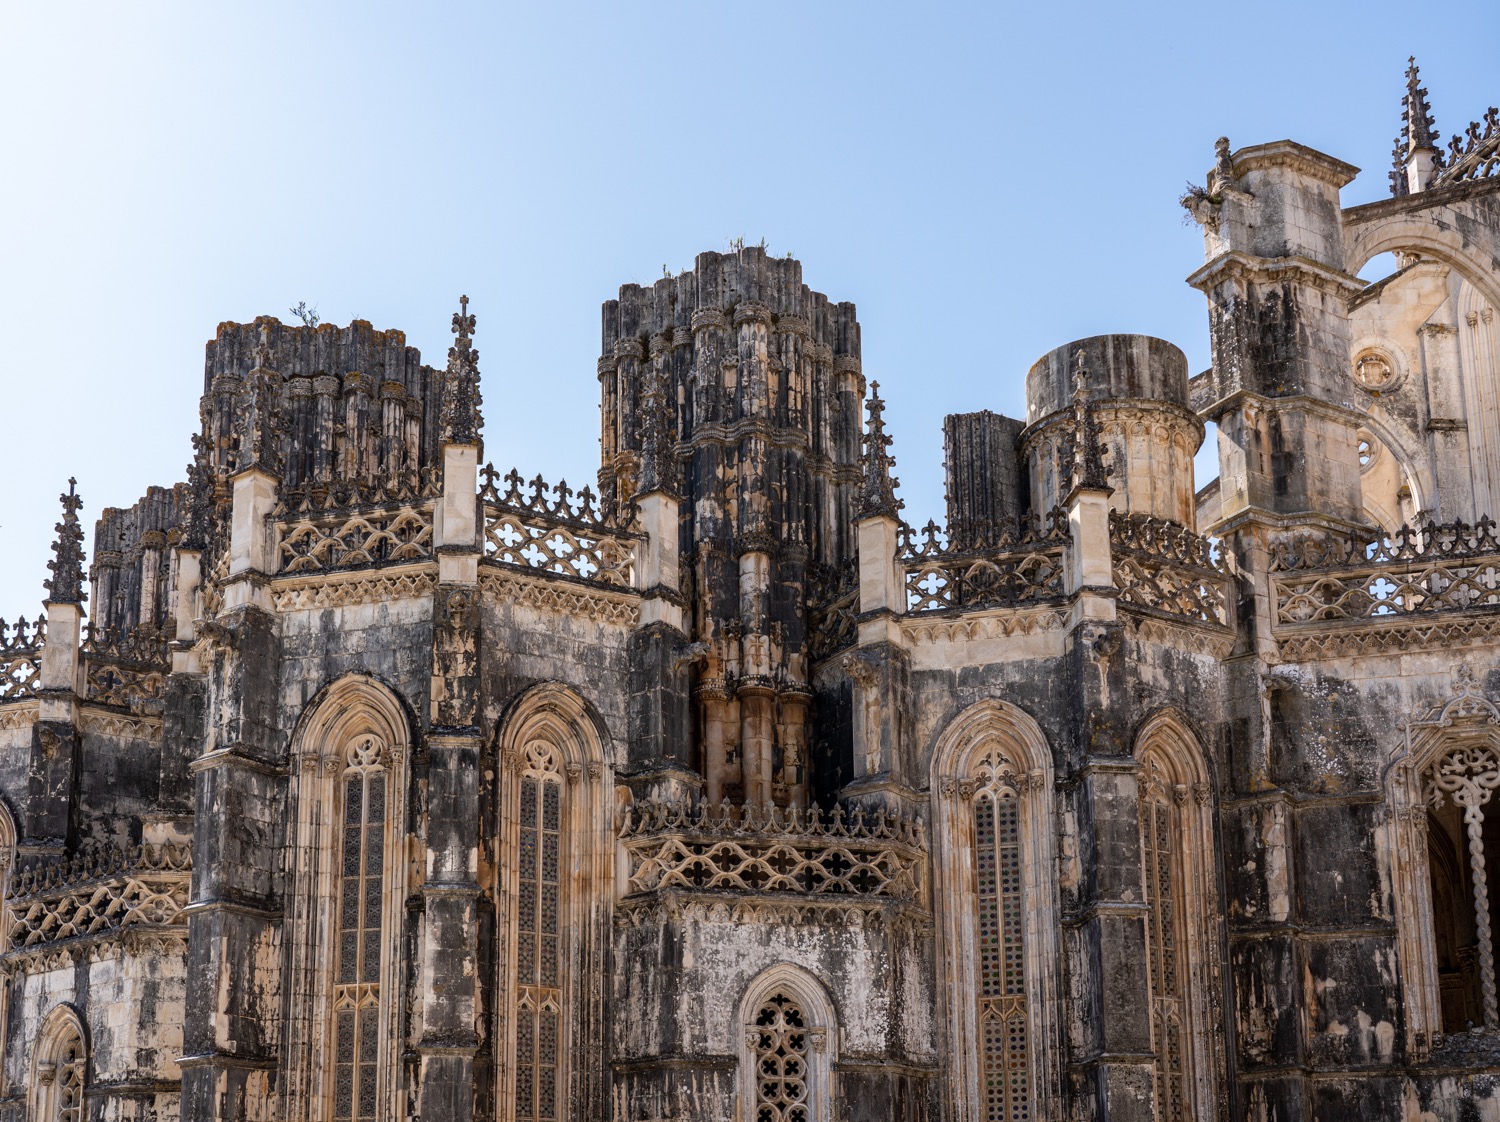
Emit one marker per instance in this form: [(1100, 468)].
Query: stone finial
[(877, 488), (1418, 126), (1397, 174), (1086, 451), (65, 586), (460, 420), (259, 439), (658, 471)]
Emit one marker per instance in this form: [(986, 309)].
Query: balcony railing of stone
[(751, 850), (100, 890), (554, 529), (1475, 155), (21, 645), (1164, 567), (832, 609), (1010, 566), (126, 670), (1417, 570), (325, 526)]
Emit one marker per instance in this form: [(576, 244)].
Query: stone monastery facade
[(369, 783)]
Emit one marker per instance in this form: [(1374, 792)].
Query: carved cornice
[(1177, 632), (564, 597), (1397, 636), (338, 590), (995, 623), (104, 722), (19, 714)]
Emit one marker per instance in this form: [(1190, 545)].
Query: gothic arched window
[(996, 884), (1461, 832), (789, 1036), (61, 1069), (1181, 949), (348, 873), (1164, 940), (553, 897), (1442, 835)]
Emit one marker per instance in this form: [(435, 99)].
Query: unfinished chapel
[(354, 780)]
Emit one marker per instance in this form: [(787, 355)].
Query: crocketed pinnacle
[(1088, 468), (1397, 174), (658, 449), (877, 488), (1418, 126), (460, 420), (65, 586)]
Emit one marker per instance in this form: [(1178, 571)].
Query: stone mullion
[(1474, 826)]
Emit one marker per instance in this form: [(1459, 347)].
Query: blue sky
[(986, 182)]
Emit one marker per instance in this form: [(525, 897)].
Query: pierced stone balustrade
[(1164, 567), (753, 851), (1415, 571), (1014, 566), (555, 530), (21, 657), (98, 891)]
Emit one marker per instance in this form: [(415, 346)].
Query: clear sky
[(986, 182)]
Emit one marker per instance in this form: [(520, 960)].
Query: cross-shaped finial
[(463, 322)]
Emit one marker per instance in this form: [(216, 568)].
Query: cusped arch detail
[(984, 726), (558, 714), (1168, 736), (356, 704), (814, 1043)]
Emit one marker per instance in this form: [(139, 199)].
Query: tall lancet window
[(995, 884), (539, 927), (1002, 1012), (1178, 887), (361, 896), (60, 1069), (1163, 940)]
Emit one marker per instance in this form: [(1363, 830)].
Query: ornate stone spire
[(65, 586), (460, 420), (1418, 127), (877, 488), (658, 449), (1089, 470)]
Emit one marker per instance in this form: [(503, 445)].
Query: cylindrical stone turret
[(1139, 389)]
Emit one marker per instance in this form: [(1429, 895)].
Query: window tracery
[(539, 925), (1466, 776), (61, 1069), (786, 1063), (995, 884), (781, 1046), (356, 990), (1163, 938), (1002, 1009)]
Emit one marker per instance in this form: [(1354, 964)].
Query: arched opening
[(1177, 845), (59, 1073), (790, 1044), (995, 891), (350, 762), (555, 877)]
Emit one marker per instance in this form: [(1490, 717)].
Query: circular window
[(1369, 450), (1374, 371)]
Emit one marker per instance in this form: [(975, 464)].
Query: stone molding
[(566, 598), (339, 590)]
